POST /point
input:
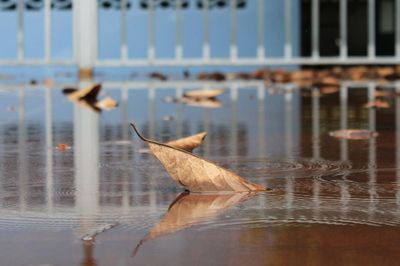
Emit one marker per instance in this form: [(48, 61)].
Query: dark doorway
[(357, 28)]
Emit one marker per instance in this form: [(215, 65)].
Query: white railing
[(85, 36)]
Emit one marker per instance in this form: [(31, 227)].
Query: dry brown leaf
[(87, 98), (327, 81), (355, 134), (191, 209), (107, 103), (89, 93), (358, 73), (197, 174), (280, 76), (204, 103), (203, 94), (329, 90), (217, 76), (377, 104), (301, 75), (63, 147), (188, 143), (263, 73), (383, 72), (89, 105), (383, 93)]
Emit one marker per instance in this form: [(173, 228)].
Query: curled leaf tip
[(137, 132)]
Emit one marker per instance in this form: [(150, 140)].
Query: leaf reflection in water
[(190, 209), (88, 250)]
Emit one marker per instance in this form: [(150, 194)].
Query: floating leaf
[(158, 75), (301, 75), (197, 102), (191, 209), (358, 73), (204, 103), (327, 82), (88, 93), (384, 72), (377, 104), (355, 134), (329, 90), (203, 94), (88, 105), (63, 147), (197, 174), (217, 76), (379, 93), (87, 98)]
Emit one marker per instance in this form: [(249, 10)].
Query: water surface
[(104, 202)]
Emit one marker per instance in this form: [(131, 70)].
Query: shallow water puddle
[(332, 200)]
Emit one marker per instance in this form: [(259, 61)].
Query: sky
[(109, 23)]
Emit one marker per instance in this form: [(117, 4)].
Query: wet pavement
[(104, 202)]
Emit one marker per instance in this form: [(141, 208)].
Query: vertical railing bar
[(95, 29), (315, 28), (150, 31), (49, 150), (260, 30), (343, 28), (47, 30), (206, 41), (21, 33), (85, 35), (316, 191), (397, 115), (22, 150), (372, 150), (288, 30), (288, 125), (126, 150), (371, 28), (316, 124), (123, 45), (179, 114), (343, 121), (233, 47), (261, 122), (178, 44), (398, 29), (75, 29)]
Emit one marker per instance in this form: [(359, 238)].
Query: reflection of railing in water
[(344, 151), (87, 166)]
